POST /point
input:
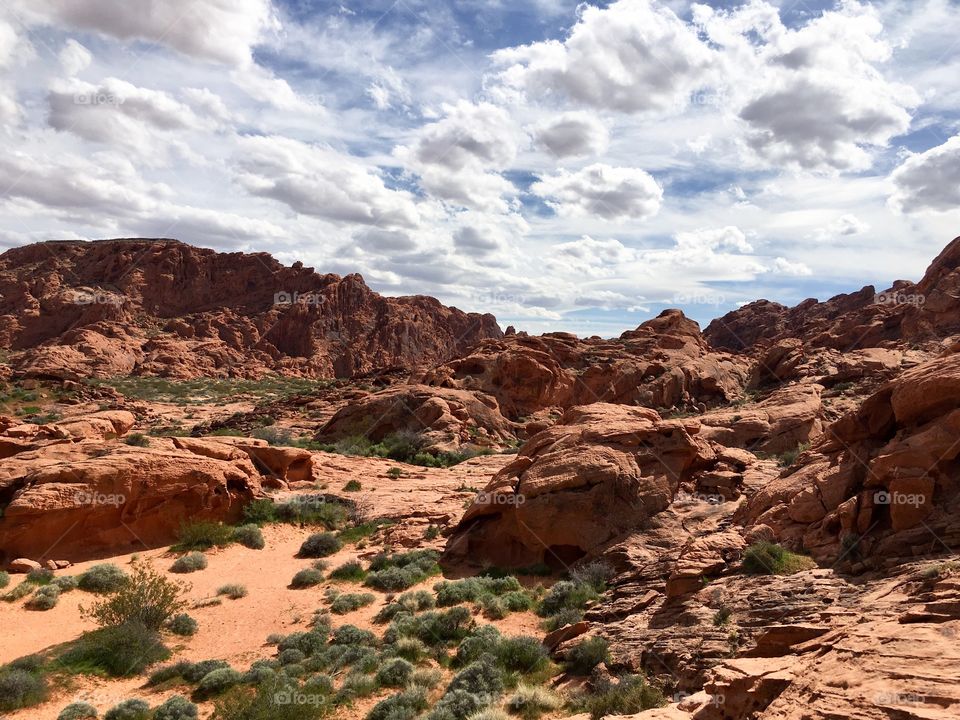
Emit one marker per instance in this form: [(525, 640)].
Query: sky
[(567, 167)]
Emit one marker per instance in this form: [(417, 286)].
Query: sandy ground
[(235, 630)]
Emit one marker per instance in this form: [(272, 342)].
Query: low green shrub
[(394, 673), (218, 681), (168, 672), (4, 579), (352, 635), (120, 650), (583, 657), (521, 654), (348, 602), (766, 558), (77, 711), (195, 672), (532, 701), (435, 628), (478, 678), (137, 440), (191, 562), (104, 578), (352, 486), (203, 535), (458, 705), (352, 571), (66, 583), (402, 706), (133, 709), (234, 591), (182, 624), (629, 695), (308, 577), (40, 576), (176, 708), (145, 597), (320, 545), (45, 598), (250, 536), (566, 595), (20, 688)]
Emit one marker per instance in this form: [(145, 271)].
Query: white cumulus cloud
[(599, 190)]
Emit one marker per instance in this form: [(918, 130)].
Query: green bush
[(595, 574), (260, 512), (521, 654), (40, 576), (426, 678), (352, 570), (145, 597), (394, 673), (66, 583), (137, 440), (203, 535), (458, 705), (766, 558), (308, 577), (352, 486), (250, 536), (77, 711), (182, 624), (120, 650), (45, 598), (176, 708), (20, 688), (195, 672), (191, 562), (352, 635), (473, 589), (410, 649), (631, 694), (493, 608), (356, 685), (105, 578), (348, 602), (567, 616), (402, 706), (19, 592), (218, 681), (234, 591), (309, 643), (482, 641), (168, 673), (4, 579), (132, 709), (566, 595), (320, 545), (271, 700), (530, 702), (311, 510), (435, 628), (583, 657), (478, 678)]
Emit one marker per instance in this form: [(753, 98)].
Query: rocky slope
[(160, 307)]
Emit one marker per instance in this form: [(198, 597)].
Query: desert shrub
[(522, 654), (567, 616), (308, 577), (258, 674), (517, 601), (291, 656), (595, 574), (352, 486), (566, 595), (352, 570), (480, 642), (356, 685), (583, 657), (218, 681), (311, 510), (352, 635), (320, 545), (118, 650), (399, 571), (168, 672), (424, 560), (19, 592), (45, 598), (473, 589), (308, 643), (20, 688), (77, 711), (493, 608), (145, 597), (195, 672), (394, 673), (294, 670), (66, 583), (30, 663), (435, 628), (631, 694), (103, 578), (250, 536), (203, 535), (234, 591), (272, 700), (490, 714), (426, 678), (260, 512), (722, 616), (530, 702), (132, 709), (191, 562), (458, 705), (402, 706), (40, 576), (394, 579), (318, 685), (410, 649), (478, 678), (766, 558), (137, 440), (348, 602), (176, 708), (182, 624), (4, 579), (395, 473)]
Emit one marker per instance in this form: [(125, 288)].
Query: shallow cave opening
[(560, 557)]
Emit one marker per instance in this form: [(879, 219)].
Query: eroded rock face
[(160, 307), (881, 484), (602, 470), (663, 363), (444, 419)]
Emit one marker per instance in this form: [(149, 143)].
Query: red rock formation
[(160, 307)]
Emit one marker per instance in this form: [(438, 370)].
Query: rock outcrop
[(160, 307)]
